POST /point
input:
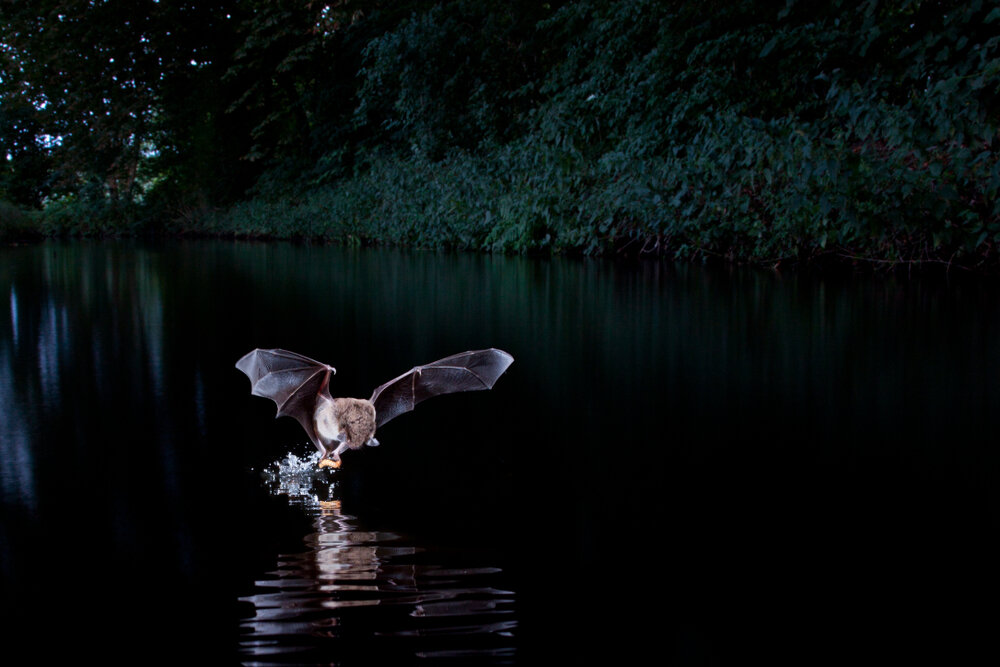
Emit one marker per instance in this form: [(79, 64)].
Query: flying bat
[(300, 386)]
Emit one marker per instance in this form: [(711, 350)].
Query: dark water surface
[(686, 465)]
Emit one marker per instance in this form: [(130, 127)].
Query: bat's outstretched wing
[(467, 371), (291, 380)]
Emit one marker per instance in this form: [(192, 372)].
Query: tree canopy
[(757, 130)]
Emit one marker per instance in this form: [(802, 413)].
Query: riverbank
[(297, 221), (515, 202)]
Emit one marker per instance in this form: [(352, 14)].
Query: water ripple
[(354, 595)]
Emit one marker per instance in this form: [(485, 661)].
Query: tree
[(120, 97), (89, 70)]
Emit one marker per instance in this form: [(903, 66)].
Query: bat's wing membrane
[(466, 371), (291, 380)]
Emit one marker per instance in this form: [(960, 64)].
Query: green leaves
[(749, 130)]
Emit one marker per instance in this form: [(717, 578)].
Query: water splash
[(301, 480)]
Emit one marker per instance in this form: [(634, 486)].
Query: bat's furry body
[(346, 421), (300, 387)]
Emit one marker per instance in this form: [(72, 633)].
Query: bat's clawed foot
[(329, 463)]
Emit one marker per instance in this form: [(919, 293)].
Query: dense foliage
[(759, 131)]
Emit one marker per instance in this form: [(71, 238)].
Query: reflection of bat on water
[(301, 388)]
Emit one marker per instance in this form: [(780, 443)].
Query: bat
[(300, 387)]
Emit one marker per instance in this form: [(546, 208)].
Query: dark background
[(706, 465)]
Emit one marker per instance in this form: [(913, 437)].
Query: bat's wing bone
[(291, 380), (467, 371)]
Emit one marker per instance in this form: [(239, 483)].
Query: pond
[(700, 464)]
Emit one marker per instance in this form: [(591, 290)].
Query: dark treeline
[(761, 131)]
